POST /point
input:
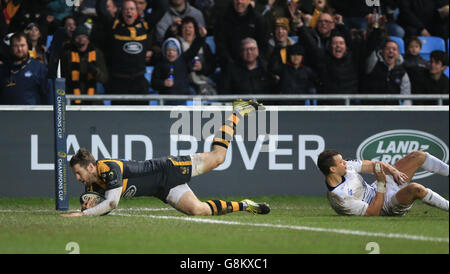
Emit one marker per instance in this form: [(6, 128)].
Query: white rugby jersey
[(353, 195)]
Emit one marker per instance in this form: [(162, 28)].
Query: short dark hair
[(83, 158), (17, 37), (325, 160), (413, 39), (439, 55)]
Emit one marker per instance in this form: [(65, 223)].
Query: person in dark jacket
[(239, 22), (296, 78), (249, 75), (129, 51), (338, 66), (432, 80), (384, 71), (204, 63), (424, 17), (171, 75), (23, 82)]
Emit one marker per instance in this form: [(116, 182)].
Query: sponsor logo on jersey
[(390, 146), (133, 47)]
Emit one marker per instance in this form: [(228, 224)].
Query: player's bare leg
[(413, 191), (205, 162)]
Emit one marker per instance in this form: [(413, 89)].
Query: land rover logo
[(133, 47), (390, 146)]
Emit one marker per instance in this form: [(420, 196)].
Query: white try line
[(294, 227), (118, 211)]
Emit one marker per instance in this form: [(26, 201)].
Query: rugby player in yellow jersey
[(163, 178)]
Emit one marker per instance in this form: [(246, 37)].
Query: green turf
[(33, 226)]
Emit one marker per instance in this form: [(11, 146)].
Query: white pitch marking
[(293, 227)]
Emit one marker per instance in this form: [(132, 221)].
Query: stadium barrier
[(345, 98), (272, 153)]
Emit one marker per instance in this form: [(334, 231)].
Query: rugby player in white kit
[(392, 194)]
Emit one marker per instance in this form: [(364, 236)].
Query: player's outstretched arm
[(376, 205), (111, 202)]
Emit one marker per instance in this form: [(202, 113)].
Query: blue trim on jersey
[(331, 188)]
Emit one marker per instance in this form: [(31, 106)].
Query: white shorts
[(391, 206), (175, 193)]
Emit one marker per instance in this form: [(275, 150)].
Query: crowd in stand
[(259, 47)]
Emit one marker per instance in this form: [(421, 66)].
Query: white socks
[(434, 199), (433, 164)]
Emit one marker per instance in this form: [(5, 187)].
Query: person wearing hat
[(171, 75), (279, 44), (83, 66), (295, 77), (38, 50)]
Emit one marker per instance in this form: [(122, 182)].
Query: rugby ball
[(98, 198)]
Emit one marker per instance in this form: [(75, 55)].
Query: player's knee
[(417, 190), (417, 155)]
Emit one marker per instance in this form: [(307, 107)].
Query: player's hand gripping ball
[(90, 199)]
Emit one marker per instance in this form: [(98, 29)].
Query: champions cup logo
[(62, 154), (60, 92), (373, 3), (391, 146)]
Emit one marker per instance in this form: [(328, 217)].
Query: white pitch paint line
[(294, 227)]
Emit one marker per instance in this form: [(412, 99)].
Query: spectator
[(432, 80), (279, 44), (239, 22), (30, 12), (295, 78), (61, 42), (338, 67), (57, 12), (319, 7), (391, 10), (23, 82), (326, 23), (170, 76), (413, 60), (385, 73), (204, 63), (424, 17), (178, 10), (83, 66), (37, 48), (249, 75), (129, 50)]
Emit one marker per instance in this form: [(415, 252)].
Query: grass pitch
[(295, 225)]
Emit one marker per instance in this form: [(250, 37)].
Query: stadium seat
[(400, 42), (430, 43), (211, 43), (446, 72), (49, 41), (148, 76), (294, 38)]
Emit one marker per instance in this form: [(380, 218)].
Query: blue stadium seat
[(211, 43), (400, 42), (148, 76), (49, 41), (294, 38), (446, 72), (430, 43)]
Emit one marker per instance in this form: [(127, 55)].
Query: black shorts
[(157, 177)]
